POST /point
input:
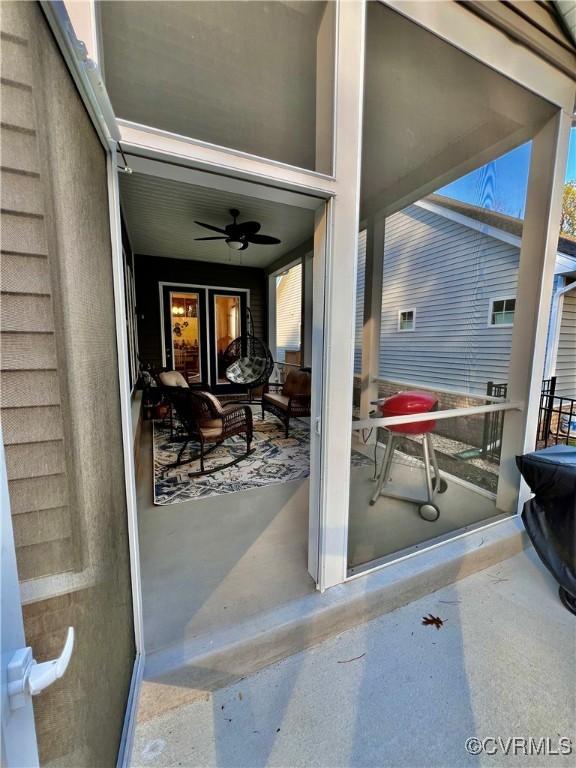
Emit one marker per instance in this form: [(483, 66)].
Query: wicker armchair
[(206, 421), (290, 399)]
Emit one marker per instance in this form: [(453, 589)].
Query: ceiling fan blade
[(245, 245), (262, 239), (209, 226), (224, 237), (249, 227)]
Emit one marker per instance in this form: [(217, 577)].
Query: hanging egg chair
[(247, 360)]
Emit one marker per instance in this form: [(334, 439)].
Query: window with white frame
[(406, 319), (502, 311)]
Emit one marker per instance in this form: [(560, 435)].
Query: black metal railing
[(556, 420), (556, 417), (493, 424)]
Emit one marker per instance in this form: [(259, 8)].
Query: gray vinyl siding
[(359, 318), (448, 273), (566, 355)]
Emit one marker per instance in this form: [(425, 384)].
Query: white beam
[(342, 243), (533, 297), (187, 175), (372, 313), (307, 309), (154, 143)]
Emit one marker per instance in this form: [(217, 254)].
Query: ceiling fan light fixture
[(238, 236)]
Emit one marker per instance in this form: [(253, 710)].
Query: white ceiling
[(160, 215)]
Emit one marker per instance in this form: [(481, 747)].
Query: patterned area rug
[(275, 459)]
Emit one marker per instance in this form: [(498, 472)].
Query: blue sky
[(501, 185)]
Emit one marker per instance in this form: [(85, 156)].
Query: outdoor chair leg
[(181, 453), (287, 428)]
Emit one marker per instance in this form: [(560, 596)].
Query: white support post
[(372, 313), (307, 295), (533, 297), (272, 316), (342, 218)]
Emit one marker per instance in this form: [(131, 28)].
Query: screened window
[(406, 320), (502, 311), (289, 315)]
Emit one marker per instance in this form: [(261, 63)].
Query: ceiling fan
[(239, 236)]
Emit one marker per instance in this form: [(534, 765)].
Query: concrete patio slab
[(393, 692)]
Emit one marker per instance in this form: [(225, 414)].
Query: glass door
[(185, 333), (227, 321)]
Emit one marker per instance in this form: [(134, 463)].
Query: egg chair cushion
[(246, 370)]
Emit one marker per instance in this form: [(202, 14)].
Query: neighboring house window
[(406, 319), (502, 311)]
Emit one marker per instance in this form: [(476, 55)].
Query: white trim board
[(171, 170)]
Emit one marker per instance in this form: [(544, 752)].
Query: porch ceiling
[(432, 113), (160, 215)]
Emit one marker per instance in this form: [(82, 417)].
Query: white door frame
[(272, 302), (194, 288)]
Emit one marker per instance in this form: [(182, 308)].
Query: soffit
[(160, 215), (431, 112)]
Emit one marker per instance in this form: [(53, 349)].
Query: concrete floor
[(393, 692), (214, 562), (391, 525)]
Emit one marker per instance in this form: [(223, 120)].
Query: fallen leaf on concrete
[(347, 661), (432, 621)]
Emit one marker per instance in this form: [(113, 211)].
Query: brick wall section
[(464, 429)]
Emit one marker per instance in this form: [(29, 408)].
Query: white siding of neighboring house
[(448, 273), (289, 311), (359, 319), (566, 355)]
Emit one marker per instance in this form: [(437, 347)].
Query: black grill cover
[(550, 517)]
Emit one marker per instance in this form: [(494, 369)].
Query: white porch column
[(533, 297), (372, 313), (307, 295), (337, 229)]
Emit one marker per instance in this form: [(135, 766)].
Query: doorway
[(199, 324), (219, 548)]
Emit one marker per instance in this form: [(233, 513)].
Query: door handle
[(26, 677)]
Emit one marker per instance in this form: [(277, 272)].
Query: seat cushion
[(211, 429), (281, 401), (173, 379)]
